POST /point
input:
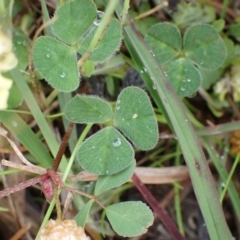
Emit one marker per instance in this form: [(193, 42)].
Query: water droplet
[(14, 124), (152, 77), (188, 80), (165, 74), (19, 42), (134, 115), (142, 71), (128, 124), (62, 75), (118, 101), (118, 107), (93, 147), (107, 171), (205, 53), (154, 86), (223, 184), (145, 70), (48, 55), (117, 142), (186, 120), (122, 119), (202, 62), (182, 89), (100, 159), (99, 18)]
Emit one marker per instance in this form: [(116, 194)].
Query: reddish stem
[(162, 214), (62, 147), (23, 185)]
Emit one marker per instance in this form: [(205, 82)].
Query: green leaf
[(134, 116), (107, 46), (234, 31), (105, 153), (210, 77), (73, 20), (105, 183), (129, 219), (192, 13), (20, 48), (57, 63), (15, 97), (204, 46), (219, 24), (88, 109), (26, 137), (81, 217), (183, 75), (87, 68), (165, 41)]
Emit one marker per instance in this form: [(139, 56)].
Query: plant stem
[(62, 148), (166, 220)]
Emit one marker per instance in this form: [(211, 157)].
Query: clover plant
[(181, 58), (74, 47)]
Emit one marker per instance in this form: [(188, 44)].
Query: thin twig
[(147, 175), (15, 148)]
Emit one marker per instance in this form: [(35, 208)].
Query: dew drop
[(93, 147), (123, 119), (165, 74), (117, 142), (182, 89), (134, 115), (14, 124), (188, 80), (154, 86), (145, 70), (118, 107), (202, 62), (142, 71), (223, 184), (48, 55), (128, 124), (99, 18), (118, 101), (19, 42), (186, 120), (62, 75), (107, 171), (100, 159)]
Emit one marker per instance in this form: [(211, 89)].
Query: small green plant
[(201, 48), (174, 61)]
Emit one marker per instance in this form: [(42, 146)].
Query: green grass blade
[(25, 135), (234, 196), (202, 181), (37, 114)]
